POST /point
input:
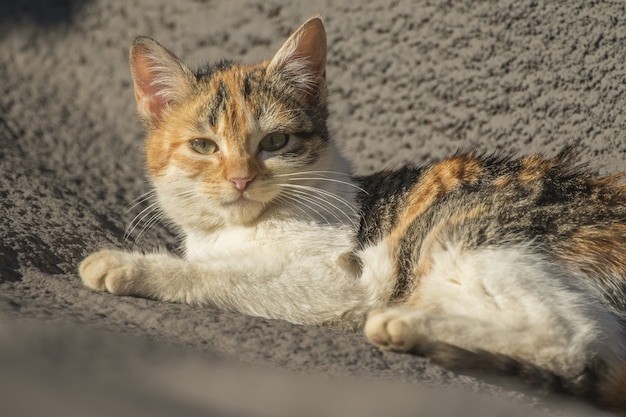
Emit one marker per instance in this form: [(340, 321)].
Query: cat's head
[(229, 142)]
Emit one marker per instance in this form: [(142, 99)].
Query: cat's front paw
[(395, 328), (109, 270)]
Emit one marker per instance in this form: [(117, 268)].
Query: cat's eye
[(203, 146), (274, 141)]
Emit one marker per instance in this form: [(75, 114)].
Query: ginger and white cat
[(488, 261)]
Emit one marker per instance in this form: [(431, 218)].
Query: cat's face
[(229, 142)]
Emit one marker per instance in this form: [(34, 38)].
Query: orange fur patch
[(438, 180), (534, 167), (612, 190), (425, 262), (234, 123), (597, 250), (184, 122), (502, 182)]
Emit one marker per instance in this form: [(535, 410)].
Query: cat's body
[(513, 264)]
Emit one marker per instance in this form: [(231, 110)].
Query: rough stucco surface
[(409, 81)]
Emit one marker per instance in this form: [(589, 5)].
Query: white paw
[(108, 270), (395, 328)]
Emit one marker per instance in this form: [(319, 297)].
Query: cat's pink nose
[(241, 183)]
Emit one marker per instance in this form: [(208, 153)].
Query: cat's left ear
[(302, 58)]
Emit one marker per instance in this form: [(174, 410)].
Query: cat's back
[(573, 217)]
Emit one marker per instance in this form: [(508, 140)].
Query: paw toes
[(392, 329), (104, 270), (398, 331), (92, 271)]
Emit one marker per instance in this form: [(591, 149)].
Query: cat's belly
[(517, 291)]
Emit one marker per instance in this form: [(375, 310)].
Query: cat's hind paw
[(396, 328), (109, 270)]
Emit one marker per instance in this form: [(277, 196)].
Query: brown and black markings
[(255, 89), (222, 98), (489, 200)]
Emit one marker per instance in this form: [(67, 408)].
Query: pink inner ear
[(302, 59), (312, 45), (150, 99)]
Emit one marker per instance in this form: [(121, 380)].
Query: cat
[(515, 264)]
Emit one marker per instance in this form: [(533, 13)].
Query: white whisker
[(288, 200), (319, 201), (297, 202), (323, 173), (325, 193), (335, 181), (310, 193), (139, 218), (149, 224), (141, 199), (150, 215), (297, 177)]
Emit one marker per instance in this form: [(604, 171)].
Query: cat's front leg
[(159, 276), (313, 292), (114, 271)]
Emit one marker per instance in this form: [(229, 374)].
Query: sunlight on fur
[(513, 265)]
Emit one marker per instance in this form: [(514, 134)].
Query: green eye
[(203, 146), (274, 141)]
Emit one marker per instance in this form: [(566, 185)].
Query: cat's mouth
[(242, 200), (242, 209)]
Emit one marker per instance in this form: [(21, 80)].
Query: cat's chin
[(243, 210), (242, 202)]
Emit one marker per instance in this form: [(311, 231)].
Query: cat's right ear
[(160, 78)]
